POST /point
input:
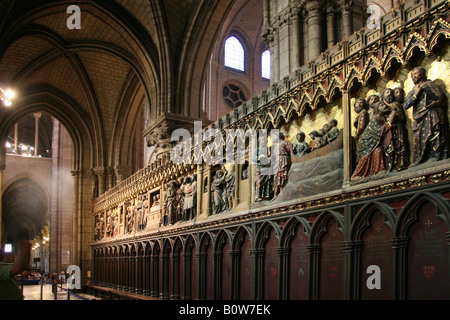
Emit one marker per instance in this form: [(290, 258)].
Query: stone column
[(175, 277), (347, 136), (266, 13), (257, 256), (315, 23), (331, 34), (235, 263), (347, 24), (352, 252), (400, 245), (200, 187), (37, 116), (294, 45), (275, 59), (110, 177), (2, 168), (283, 261), (16, 137), (76, 219), (208, 202), (121, 172), (139, 273), (101, 178), (314, 256)]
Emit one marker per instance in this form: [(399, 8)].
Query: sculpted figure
[(109, 224), (302, 147), (263, 182), (396, 139), (361, 121), (333, 132), (370, 148), (283, 164), (141, 216), (180, 200), (99, 228), (165, 209), (317, 140), (371, 100), (188, 198), (230, 187), (129, 220), (218, 190), (430, 131), (114, 228), (193, 191), (172, 202), (399, 95)]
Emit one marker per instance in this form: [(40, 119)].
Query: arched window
[(234, 54), (265, 64)]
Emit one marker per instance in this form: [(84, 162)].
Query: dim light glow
[(8, 248)]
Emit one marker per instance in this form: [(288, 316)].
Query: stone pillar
[(138, 268), (101, 178), (352, 252), (331, 33), (110, 177), (347, 23), (400, 245), (275, 59), (266, 13), (315, 23), (155, 276), (121, 172), (208, 203), (175, 276), (76, 219), (37, 116), (347, 137), (200, 187), (2, 241), (314, 256), (294, 46), (257, 256), (16, 138)]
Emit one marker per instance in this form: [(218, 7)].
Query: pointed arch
[(288, 232), (362, 220), (319, 227), (410, 211)]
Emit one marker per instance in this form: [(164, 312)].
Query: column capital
[(37, 115)]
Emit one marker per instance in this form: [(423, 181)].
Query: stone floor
[(33, 292)]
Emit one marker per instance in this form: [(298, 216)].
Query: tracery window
[(234, 54), (233, 95)]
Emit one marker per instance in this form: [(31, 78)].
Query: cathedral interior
[(119, 126)]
